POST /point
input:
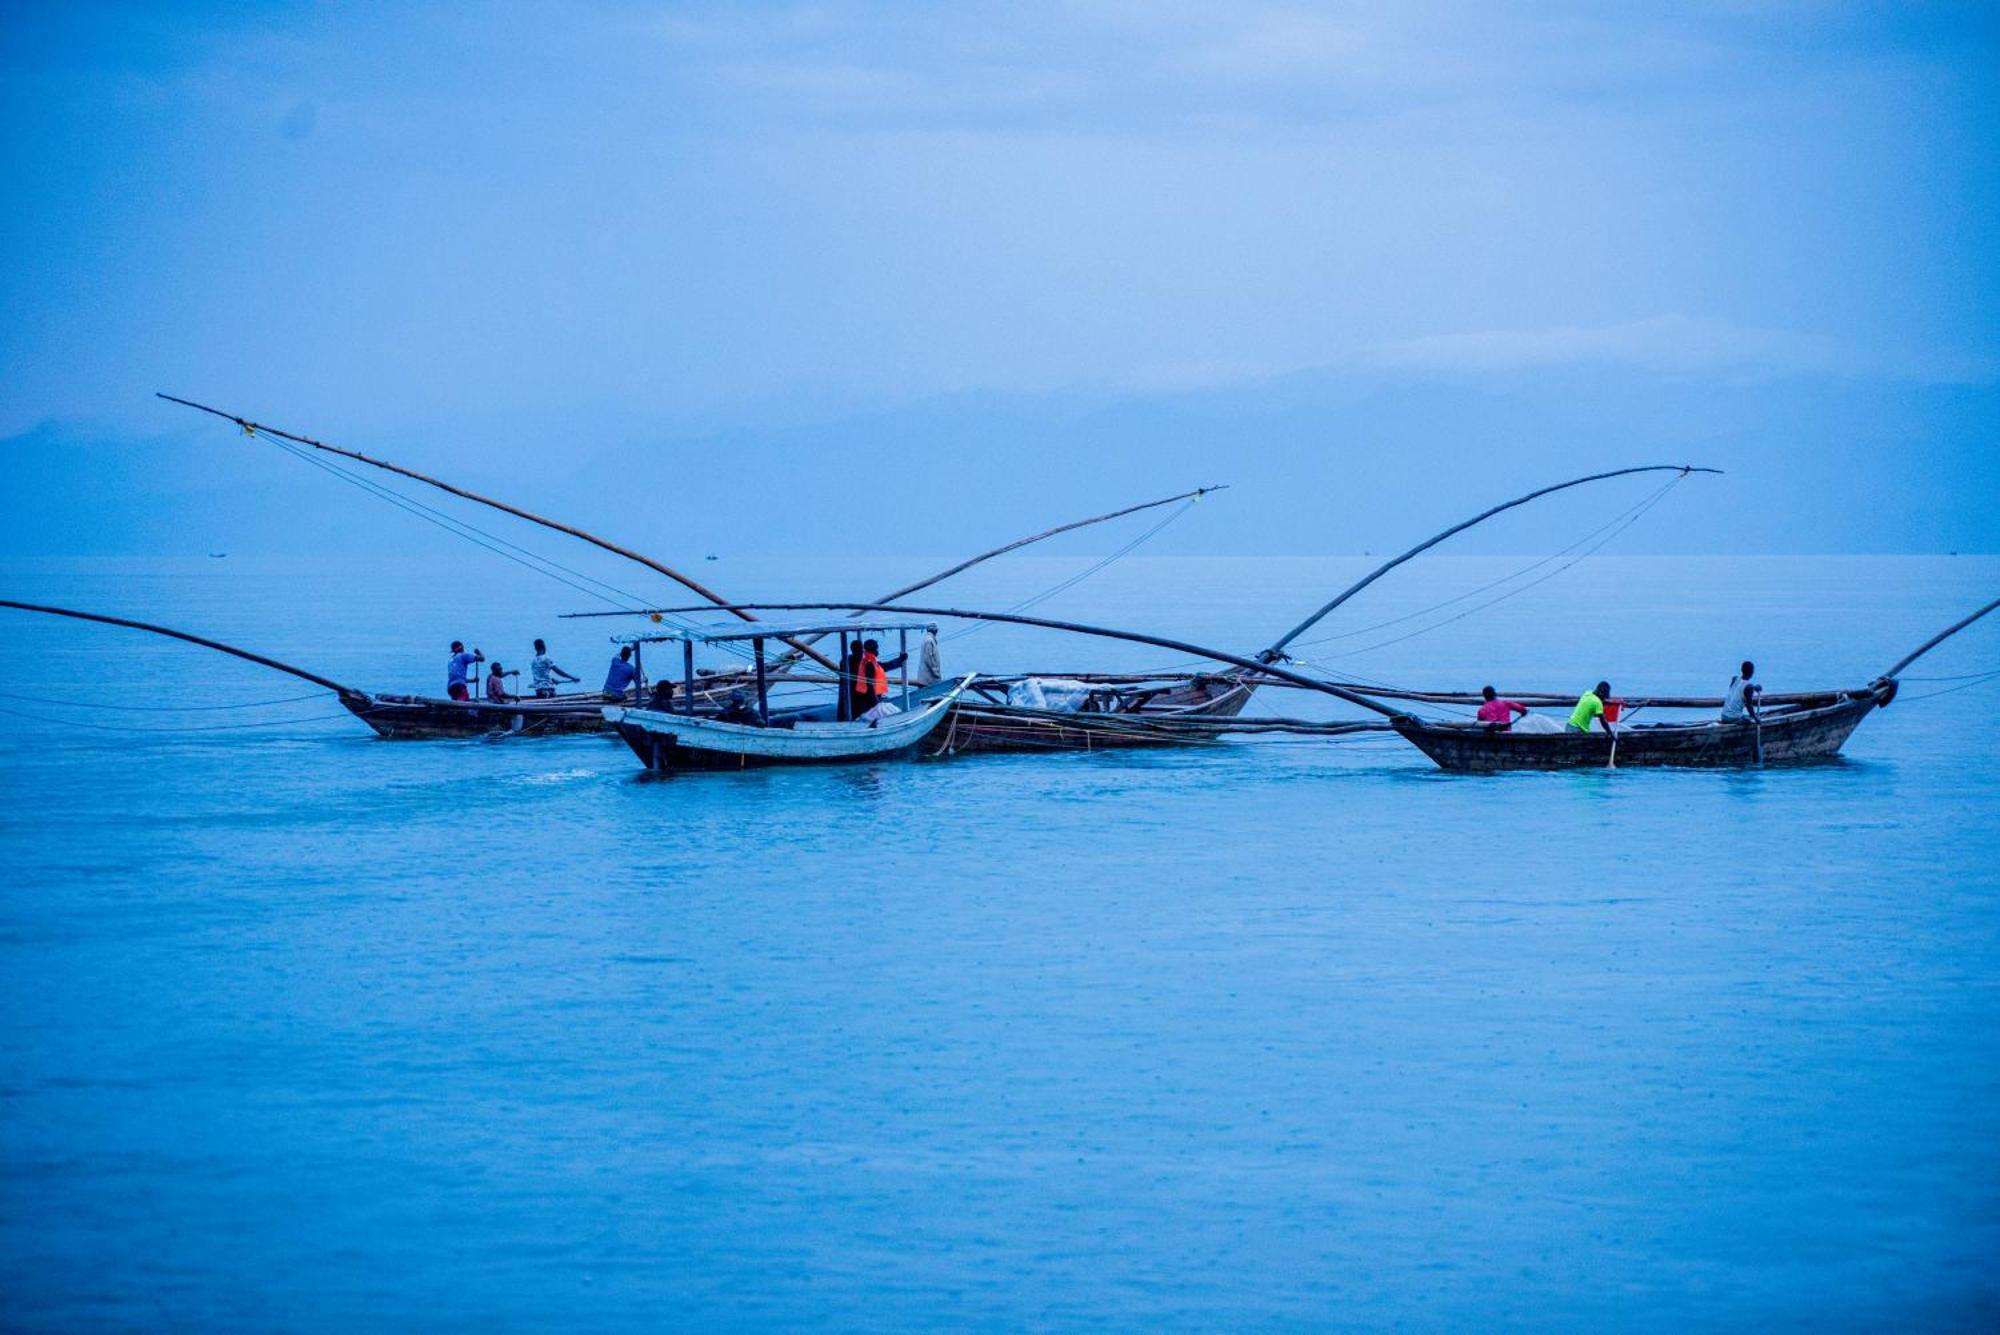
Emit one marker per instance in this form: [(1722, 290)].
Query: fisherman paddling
[(1498, 712), (458, 672), (1739, 702), (1591, 706), (621, 675), (543, 672)]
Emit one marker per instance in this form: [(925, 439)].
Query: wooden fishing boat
[(1813, 729), (428, 718), (750, 733), (1172, 711)]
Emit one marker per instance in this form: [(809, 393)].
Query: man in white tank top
[(1740, 701)]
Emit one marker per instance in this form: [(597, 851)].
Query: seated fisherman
[(1498, 711), (1740, 701), (543, 672), (737, 709), (1590, 705), (496, 684)]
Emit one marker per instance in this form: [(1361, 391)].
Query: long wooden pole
[(1277, 650), (1937, 639), (1078, 628), (1029, 541), (345, 692), (616, 549), (1033, 538)]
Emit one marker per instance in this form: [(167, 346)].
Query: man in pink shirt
[(1499, 711)]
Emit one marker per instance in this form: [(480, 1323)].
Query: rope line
[(1640, 508), (162, 709), (1979, 680), (1078, 578), (214, 727), (1511, 593)]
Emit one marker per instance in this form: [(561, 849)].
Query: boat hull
[(671, 743), (1803, 735), (979, 726), (426, 718)]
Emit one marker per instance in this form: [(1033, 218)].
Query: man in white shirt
[(1739, 702), (543, 672)]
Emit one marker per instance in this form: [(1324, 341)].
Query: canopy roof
[(768, 630)]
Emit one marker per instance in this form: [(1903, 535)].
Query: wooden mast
[(641, 558), (345, 692), (1277, 650)]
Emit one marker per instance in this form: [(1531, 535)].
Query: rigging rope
[(622, 599), (162, 709), (1978, 680), (213, 727), (1640, 508), (1081, 576), (1655, 499)]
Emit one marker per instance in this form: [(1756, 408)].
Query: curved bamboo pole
[(345, 692), (1937, 639), (1074, 628), (1277, 650), (1032, 539), (615, 549), (1029, 541)]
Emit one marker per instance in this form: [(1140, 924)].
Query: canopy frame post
[(763, 685)]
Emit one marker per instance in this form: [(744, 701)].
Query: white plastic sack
[(1538, 723), (1057, 695)]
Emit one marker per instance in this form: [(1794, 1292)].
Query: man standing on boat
[(1591, 706), (458, 673), (1740, 701), (543, 672), (1498, 711), (622, 674), (871, 678)]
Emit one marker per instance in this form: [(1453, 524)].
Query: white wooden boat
[(671, 739)]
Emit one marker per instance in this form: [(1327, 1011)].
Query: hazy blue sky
[(974, 267)]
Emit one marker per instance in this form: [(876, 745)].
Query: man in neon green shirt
[(1591, 706)]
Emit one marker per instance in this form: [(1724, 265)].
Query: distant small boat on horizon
[(217, 556)]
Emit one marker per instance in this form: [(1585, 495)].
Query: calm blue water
[(309, 1030)]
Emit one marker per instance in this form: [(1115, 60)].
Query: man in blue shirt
[(458, 673), (619, 679)]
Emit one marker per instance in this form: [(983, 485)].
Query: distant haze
[(825, 278)]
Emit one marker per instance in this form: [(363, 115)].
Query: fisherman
[(854, 700), (1591, 706), (737, 709), (622, 674), (663, 696), (1740, 701), (871, 677), (496, 684), (1497, 710), (543, 672), (458, 673)]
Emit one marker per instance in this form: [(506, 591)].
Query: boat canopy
[(768, 630)]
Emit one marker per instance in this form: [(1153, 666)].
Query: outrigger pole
[(344, 692), (641, 558), (1277, 651), (1033, 538), (1937, 639), (1072, 627)]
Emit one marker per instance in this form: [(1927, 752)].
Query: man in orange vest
[(870, 683)]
